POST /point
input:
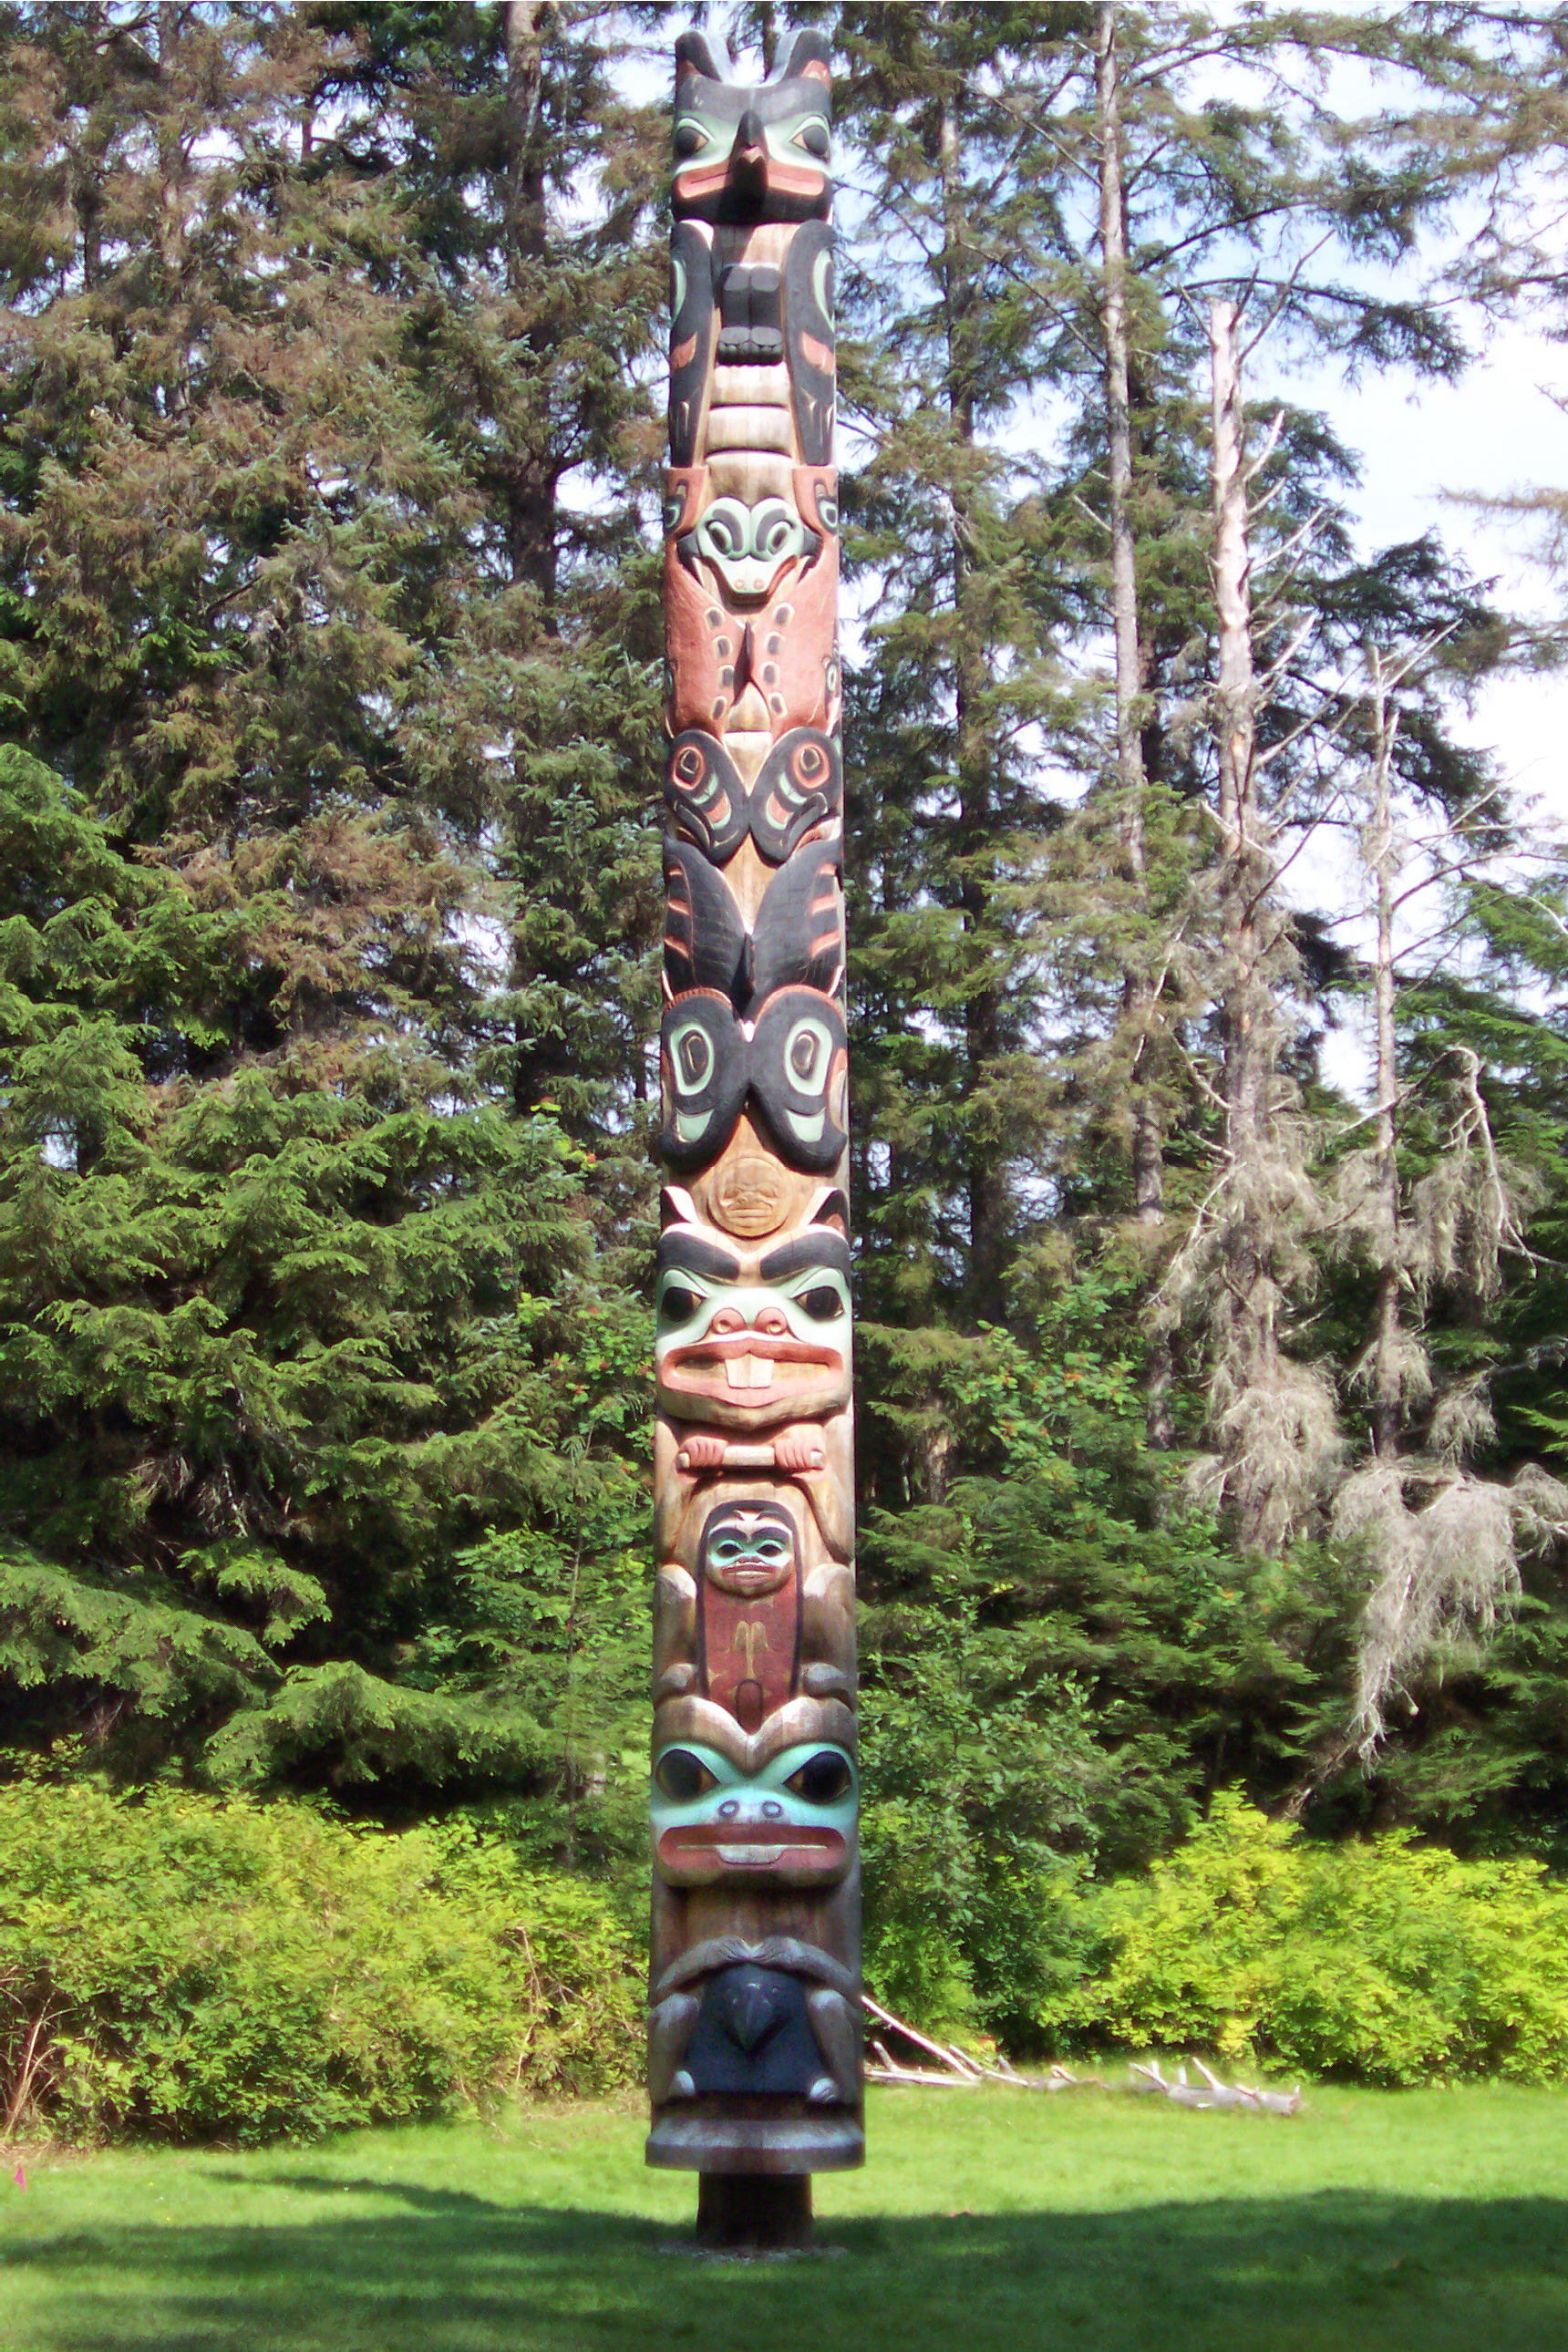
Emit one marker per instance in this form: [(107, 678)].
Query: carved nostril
[(772, 1812), (729, 1809), (771, 1321), (729, 1318)]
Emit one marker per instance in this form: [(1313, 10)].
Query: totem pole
[(754, 2031)]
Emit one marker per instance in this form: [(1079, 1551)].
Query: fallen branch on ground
[(960, 2072), (1213, 2093)]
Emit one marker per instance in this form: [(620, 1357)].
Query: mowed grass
[(992, 2221)]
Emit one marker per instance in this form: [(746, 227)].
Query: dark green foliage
[(263, 1368), (1059, 1675), (291, 1258)]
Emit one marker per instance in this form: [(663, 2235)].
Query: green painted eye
[(772, 529), (693, 1059), (724, 530), (690, 137), (823, 1303), (815, 138), (684, 1777), (807, 1050)]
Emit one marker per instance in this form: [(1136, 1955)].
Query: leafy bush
[(1375, 1960), (188, 1968)]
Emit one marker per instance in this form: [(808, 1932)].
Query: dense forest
[(1213, 1423)]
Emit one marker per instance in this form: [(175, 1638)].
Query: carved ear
[(809, 53), (694, 55), (829, 1207), (677, 1206)]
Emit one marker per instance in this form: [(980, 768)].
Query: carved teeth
[(751, 1857), (750, 1372)]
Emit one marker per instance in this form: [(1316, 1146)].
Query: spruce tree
[(299, 1305)]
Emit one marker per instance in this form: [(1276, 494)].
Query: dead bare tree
[(1272, 1417), (1443, 1545)]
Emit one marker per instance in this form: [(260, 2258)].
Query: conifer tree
[(290, 1283)]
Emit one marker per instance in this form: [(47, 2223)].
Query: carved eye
[(677, 1304), (823, 1780), (773, 531), (693, 1059), (824, 1305), (815, 138), (828, 513), (724, 530), (807, 1050), (690, 137), (684, 1777), (772, 1548)]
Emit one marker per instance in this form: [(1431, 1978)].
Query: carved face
[(794, 1068), (746, 1339), (793, 1820), (750, 546), (746, 153), (749, 1549)]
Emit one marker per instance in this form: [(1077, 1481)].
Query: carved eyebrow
[(695, 1256), (771, 1520), (821, 1251)]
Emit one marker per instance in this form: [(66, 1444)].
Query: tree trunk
[(532, 475), (1386, 1325), (986, 1178), (1137, 995), (1247, 1009)]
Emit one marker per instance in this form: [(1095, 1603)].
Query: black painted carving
[(792, 1068), (754, 2034), (690, 336), (809, 333), (801, 785), (798, 939)]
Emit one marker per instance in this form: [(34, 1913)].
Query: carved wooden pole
[(754, 2033)]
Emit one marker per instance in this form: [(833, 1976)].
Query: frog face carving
[(750, 1550), (750, 548), (790, 1820), (750, 152)]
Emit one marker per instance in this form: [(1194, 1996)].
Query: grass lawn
[(993, 2221)]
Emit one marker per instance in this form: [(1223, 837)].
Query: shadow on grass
[(1333, 2271)]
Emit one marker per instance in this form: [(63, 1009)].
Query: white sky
[(1422, 446)]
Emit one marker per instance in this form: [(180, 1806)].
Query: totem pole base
[(753, 2212), (754, 2138)]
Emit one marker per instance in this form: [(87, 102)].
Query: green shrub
[(188, 1968), (1376, 1960)]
